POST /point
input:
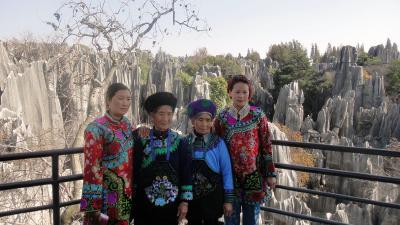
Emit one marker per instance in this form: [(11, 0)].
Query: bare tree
[(117, 29)]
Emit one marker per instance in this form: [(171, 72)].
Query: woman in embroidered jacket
[(163, 180), (108, 162), (212, 172), (245, 130)]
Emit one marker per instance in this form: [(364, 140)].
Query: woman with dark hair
[(108, 151), (246, 133), (163, 182)]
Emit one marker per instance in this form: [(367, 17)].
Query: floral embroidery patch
[(162, 191), (202, 185)]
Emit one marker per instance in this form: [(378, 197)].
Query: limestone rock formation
[(386, 53), (289, 108)]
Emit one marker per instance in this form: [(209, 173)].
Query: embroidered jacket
[(180, 158), (108, 164), (248, 138)]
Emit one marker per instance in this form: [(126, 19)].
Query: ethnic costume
[(212, 179), (163, 177), (248, 138), (212, 171), (108, 168), (162, 171)]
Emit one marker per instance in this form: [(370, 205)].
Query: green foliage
[(293, 64), (253, 56), (185, 78), (145, 59), (316, 89), (218, 91), (366, 60), (393, 78), (229, 66), (190, 68)]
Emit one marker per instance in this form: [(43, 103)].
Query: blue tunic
[(217, 158)]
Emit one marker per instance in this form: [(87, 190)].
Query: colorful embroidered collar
[(242, 112)]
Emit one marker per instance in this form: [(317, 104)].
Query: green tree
[(186, 79), (293, 64), (253, 55), (366, 60), (218, 91), (144, 59), (393, 78), (191, 68)]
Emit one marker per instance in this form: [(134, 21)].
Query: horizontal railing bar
[(70, 178), (23, 184), (38, 182), (26, 210), (340, 173), (37, 208), (301, 216), (340, 196), (338, 148), (38, 154)]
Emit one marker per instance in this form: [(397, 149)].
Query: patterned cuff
[(90, 204), (229, 196), (186, 193), (91, 198)]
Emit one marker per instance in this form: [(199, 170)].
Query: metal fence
[(55, 179)]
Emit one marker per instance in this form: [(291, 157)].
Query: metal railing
[(55, 179)]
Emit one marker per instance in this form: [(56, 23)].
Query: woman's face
[(240, 94), (162, 117), (202, 123), (119, 104)]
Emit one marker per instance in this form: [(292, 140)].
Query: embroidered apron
[(159, 180)]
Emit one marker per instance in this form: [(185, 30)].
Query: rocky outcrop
[(386, 53), (14, 132), (200, 89), (337, 116), (289, 106), (348, 75), (32, 94), (210, 71), (353, 214)]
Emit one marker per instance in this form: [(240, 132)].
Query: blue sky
[(238, 25)]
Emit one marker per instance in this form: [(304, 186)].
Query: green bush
[(185, 78), (218, 91), (365, 60), (393, 78)]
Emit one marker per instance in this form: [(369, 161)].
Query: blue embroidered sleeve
[(226, 171)]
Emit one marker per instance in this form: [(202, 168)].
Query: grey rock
[(386, 53), (289, 108)]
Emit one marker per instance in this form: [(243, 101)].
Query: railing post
[(56, 190)]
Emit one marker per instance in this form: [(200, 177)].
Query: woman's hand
[(143, 131), (228, 209), (271, 182), (182, 211)]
